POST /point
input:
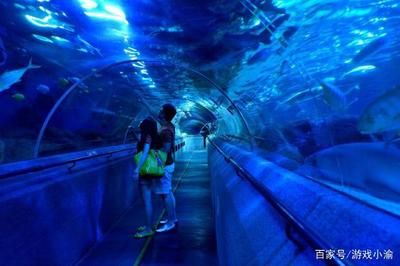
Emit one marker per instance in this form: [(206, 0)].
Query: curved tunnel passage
[(286, 143), (119, 81)]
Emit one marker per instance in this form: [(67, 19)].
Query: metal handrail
[(41, 167), (45, 166), (307, 233)]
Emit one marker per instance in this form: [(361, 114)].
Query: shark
[(382, 115), (371, 167)]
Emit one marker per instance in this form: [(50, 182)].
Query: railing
[(71, 162), (293, 222), (179, 146), (10, 170)]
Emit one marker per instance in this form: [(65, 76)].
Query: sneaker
[(164, 221), (165, 228)]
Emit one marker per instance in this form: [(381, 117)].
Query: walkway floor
[(191, 243)]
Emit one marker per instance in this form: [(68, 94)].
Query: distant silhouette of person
[(149, 139), (205, 131), (163, 186)]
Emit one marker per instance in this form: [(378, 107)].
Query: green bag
[(154, 163)]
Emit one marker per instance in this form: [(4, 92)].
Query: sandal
[(143, 234)]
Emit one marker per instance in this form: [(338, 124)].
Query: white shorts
[(164, 184)]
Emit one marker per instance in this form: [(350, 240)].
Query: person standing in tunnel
[(149, 140), (205, 131), (163, 186)]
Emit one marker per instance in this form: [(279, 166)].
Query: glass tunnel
[(283, 148)]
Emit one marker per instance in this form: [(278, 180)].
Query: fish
[(19, 6), (259, 56), (42, 38), (360, 70), (18, 97), (43, 89), (369, 167), (301, 96), (88, 47), (382, 115), (9, 78), (60, 39), (83, 50), (369, 49)]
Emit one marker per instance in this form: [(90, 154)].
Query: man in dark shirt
[(164, 185), (205, 131)]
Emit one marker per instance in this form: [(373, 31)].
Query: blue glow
[(88, 4), (117, 33), (106, 11), (106, 16), (112, 12), (47, 21), (115, 10), (357, 43), (279, 3)]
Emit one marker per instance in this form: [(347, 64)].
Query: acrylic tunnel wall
[(287, 125)]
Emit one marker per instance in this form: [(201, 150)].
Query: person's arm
[(143, 158), (167, 136), (145, 153), (166, 147)]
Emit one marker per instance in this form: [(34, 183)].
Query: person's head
[(148, 127), (167, 113)]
